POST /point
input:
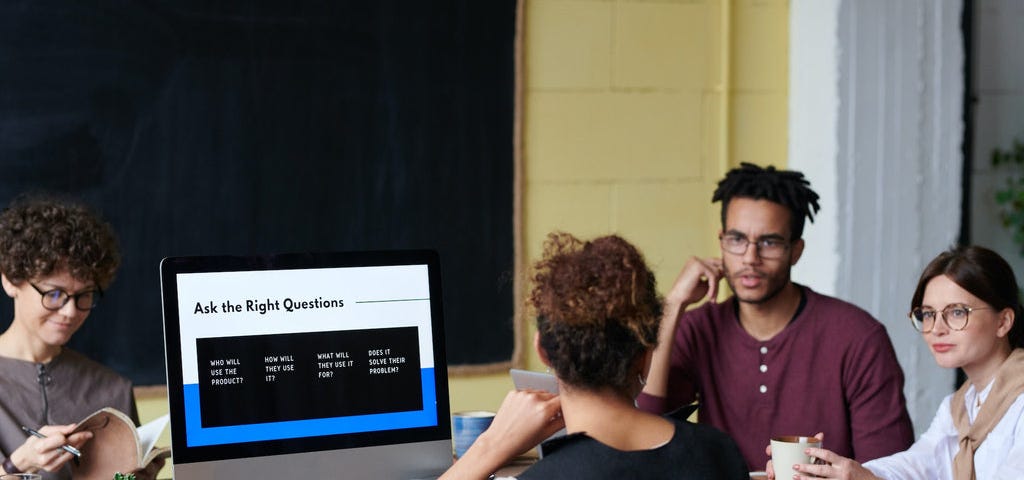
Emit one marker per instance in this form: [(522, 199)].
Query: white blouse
[(1000, 456)]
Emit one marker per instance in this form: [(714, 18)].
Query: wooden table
[(517, 465)]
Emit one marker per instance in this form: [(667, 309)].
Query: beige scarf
[(1009, 384)]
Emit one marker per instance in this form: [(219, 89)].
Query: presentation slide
[(278, 354)]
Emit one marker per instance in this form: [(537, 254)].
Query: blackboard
[(264, 126)]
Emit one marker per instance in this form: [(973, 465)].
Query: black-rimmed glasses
[(955, 315), (56, 299), (769, 248)]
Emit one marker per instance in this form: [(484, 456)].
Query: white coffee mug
[(788, 450)]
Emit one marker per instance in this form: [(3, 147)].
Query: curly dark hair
[(785, 187), (597, 310), (40, 235), (983, 273)]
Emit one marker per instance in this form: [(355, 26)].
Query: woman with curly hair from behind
[(597, 323), (56, 259)]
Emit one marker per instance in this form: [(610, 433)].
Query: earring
[(640, 378)]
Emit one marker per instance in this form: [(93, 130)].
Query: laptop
[(312, 365)]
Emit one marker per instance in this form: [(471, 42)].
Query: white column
[(813, 131)]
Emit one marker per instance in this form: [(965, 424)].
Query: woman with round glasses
[(55, 260), (967, 308)]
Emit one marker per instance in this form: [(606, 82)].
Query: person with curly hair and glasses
[(967, 308), (597, 323), (56, 259)]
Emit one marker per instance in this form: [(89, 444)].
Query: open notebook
[(117, 445)]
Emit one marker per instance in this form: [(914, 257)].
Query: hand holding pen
[(47, 449), (67, 448)]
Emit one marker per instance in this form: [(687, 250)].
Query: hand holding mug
[(826, 464), (835, 466), (787, 452)]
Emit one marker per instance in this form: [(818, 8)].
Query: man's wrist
[(669, 324), (9, 466)]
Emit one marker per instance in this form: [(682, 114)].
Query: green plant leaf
[(1011, 198)]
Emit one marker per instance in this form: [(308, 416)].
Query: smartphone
[(524, 379)]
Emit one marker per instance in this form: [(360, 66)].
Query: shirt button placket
[(763, 368)]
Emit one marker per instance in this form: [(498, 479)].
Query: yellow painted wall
[(633, 109)]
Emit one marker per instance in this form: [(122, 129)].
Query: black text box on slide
[(298, 376)]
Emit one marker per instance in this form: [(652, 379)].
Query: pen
[(67, 448)]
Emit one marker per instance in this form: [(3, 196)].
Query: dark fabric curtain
[(202, 127)]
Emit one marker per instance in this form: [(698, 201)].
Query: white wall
[(998, 79), (814, 131), (875, 120)]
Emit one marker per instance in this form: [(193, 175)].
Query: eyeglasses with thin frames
[(768, 248), (56, 299), (955, 315)]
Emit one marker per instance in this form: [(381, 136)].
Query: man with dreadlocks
[(776, 358)]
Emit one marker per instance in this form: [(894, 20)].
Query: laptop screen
[(304, 353)]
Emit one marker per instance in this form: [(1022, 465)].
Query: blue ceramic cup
[(466, 426)]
